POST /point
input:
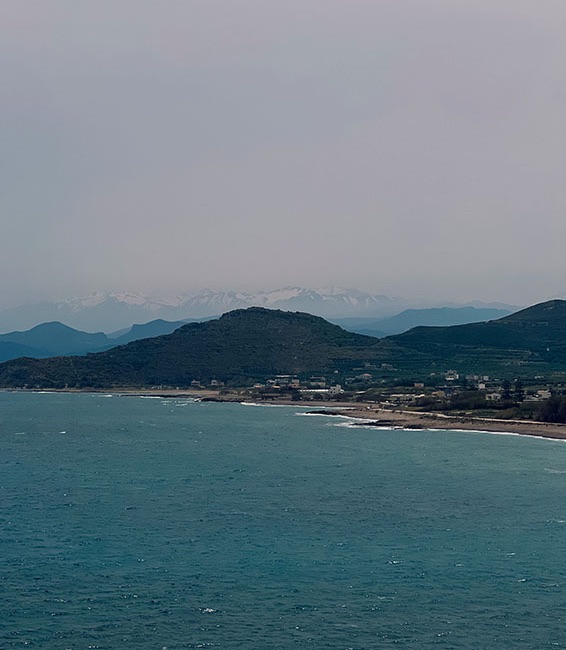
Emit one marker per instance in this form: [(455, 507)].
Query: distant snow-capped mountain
[(328, 302), (130, 299), (112, 311), (108, 312)]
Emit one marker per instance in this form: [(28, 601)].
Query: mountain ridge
[(535, 335), (250, 344), (409, 318), (57, 339), (108, 312), (239, 346)]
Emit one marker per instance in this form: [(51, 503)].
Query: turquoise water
[(148, 523)]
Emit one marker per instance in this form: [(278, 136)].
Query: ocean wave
[(314, 414), (276, 406)]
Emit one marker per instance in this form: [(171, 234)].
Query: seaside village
[(464, 391)]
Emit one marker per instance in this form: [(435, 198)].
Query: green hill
[(240, 346), (244, 346), (434, 317), (531, 339)]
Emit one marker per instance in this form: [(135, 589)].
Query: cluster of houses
[(494, 390), (451, 383), (314, 386), (214, 383)]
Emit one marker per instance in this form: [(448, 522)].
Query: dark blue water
[(146, 523)]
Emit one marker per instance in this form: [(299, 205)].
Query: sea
[(168, 524)]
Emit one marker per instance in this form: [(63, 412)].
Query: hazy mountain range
[(245, 345), (108, 312), (409, 318), (57, 339)]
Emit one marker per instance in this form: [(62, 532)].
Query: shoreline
[(373, 415), (396, 419)]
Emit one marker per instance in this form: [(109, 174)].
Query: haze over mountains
[(409, 318), (246, 345), (57, 339), (115, 311), (240, 345)]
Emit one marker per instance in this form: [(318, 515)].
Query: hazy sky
[(407, 147)]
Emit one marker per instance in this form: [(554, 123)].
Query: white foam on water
[(497, 433), (506, 433), (276, 406), (362, 424), (355, 423), (312, 414)]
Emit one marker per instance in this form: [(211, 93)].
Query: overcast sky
[(406, 147)]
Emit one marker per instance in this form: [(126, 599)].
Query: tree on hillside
[(518, 391), (553, 410)]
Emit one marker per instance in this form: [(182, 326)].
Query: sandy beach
[(394, 418), (413, 420)]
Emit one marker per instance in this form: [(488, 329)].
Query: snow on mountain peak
[(99, 298), (109, 311)]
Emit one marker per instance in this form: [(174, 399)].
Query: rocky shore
[(401, 419), (372, 415)]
